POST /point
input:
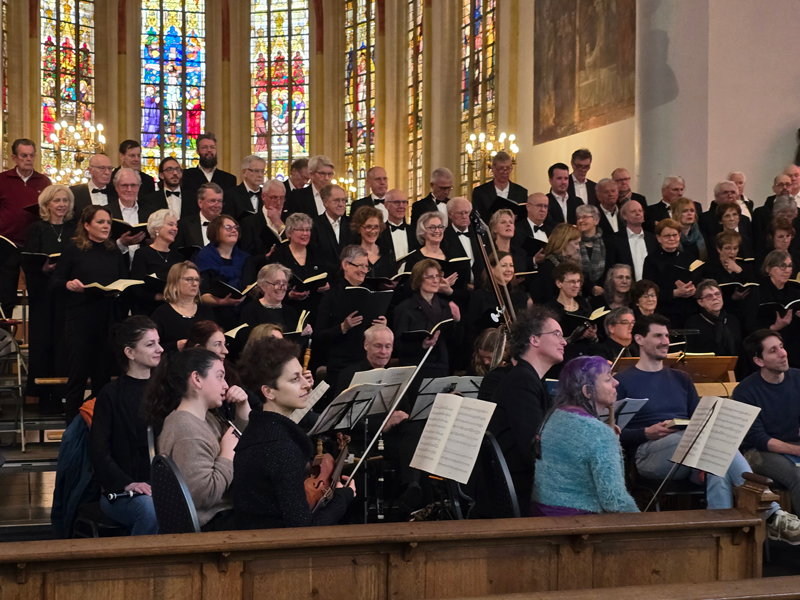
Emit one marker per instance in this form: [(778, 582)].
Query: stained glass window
[(67, 67), (477, 76), (415, 73), (359, 99), (173, 80), (279, 82)]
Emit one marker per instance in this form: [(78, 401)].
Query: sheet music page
[(464, 442), (731, 424), (695, 424), (630, 406), (468, 386), (317, 393), (434, 436)]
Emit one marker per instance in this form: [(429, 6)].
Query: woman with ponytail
[(184, 396), (119, 452)]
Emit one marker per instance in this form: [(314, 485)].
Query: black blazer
[(452, 248), (523, 230), (365, 201), (660, 211), (621, 249), (148, 183), (485, 200), (640, 199), (190, 232), (420, 207), (386, 245), (710, 226), (237, 202), (194, 177), (323, 240), (590, 190), (555, 213), (408, 316), (158, 200), (302, 201), (255, 237), (83, 197), (605, 225), (145, 210)]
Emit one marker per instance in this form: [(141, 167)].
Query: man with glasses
[(172, 194), (128, 208), (579, 185), (378, 184), (245, 199), (500, 192), (97, 190), (762, 216), (331, 230), (725, 193), (632, 244), (608, 203), (623, 180), (206, 171), (536, 343), (130, 157), (193, 230), (398, 238), (308, 200), (619, 337), (460, 238), (298, 176), (441, 186), (262, 232)]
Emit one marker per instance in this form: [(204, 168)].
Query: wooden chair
[(173, 503)]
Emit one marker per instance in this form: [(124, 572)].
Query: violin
[(325, 472)]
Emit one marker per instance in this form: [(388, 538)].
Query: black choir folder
[(220, 289), (152, 283), (120, 285), (678, 273), (311, 284), (40, 258), (120, 228), (419, 335), (766, 311), (370, 305)]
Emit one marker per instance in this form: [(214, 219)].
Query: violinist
[(181, 400), (273, 452)]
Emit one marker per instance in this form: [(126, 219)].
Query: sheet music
[(452, 437), (430, 388), (392, 379), (630, 406), (317, 393)]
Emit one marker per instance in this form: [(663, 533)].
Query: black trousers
[(9, 281)]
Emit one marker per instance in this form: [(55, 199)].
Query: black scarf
[(724, 341), (433, 311)]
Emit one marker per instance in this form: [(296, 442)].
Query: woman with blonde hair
[(502, 229), (182, 306), (46, 318), (367, 224), (684, 211), (155, 259), (562, 245)]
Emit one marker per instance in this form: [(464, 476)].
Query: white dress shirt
[(318, 201), (209, 174), (537, 235), (173, 202), (638, 252), (335, 224), (502, 193), (254, 200), (380, 207), (131, 217), (745, 210), (442, 208), (562, 202), (97, 199), (580, 190), (291, 185), (612, 219), (399, 240), (466, 243)]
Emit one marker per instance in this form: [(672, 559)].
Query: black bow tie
[(441, 201), (378, 200), (99, 191), (465, 233), (255, 194), (537, 228), (172, 193), (393, 228), (204, 223)]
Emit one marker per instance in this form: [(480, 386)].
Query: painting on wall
[(584, 65)]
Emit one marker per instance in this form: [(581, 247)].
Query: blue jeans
[(653, 462), (137, 513)]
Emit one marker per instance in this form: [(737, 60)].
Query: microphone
[(114, 496)]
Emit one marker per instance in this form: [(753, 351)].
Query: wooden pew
[(774, 588), (395, 561)]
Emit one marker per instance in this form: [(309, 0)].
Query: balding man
[(378, 343), (99, 189), (536, 227), (308, 200), (608, 201), (793, 172), (622, 178), (441, 186), (725, 193), (398, 238), (378, 184), (245, 199), (500, 192), (263, 231)]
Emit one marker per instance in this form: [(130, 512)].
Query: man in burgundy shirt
[(19, 187)]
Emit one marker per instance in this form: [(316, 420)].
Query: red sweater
[(15, 195)]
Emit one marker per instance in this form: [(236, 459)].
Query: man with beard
[(207, 171)]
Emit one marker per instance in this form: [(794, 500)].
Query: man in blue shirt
[(772, 446), (672, 395)]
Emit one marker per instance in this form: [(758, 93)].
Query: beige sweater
[(194, 446)]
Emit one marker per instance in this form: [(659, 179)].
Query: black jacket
[(83, 197), (408, 316), (620, 249), (385, 241), (453, 248), (302, 201), (660, 211), (190, 232), (270, 466), (554, 212), (255, 237), (194, 177), (158, 200), (590, 190), (323, 240), (343, 349), (365, 201), (710, 225), (486, 202), (420, 207), (605, 224), (238, 203)]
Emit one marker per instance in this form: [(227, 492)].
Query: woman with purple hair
[(578, 457)]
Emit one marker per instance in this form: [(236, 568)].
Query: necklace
[(161, 256), (58, 233)]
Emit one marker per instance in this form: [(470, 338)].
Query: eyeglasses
[(399, 202), (192, 280), (711, 296), (649, 295), (303, 230), (173, 170), (325, 173), (281, 197), (371, 228), (230, 227), (503, 169), (628, 323), (109, 168), (444, 188), (433, 228), (555, 332), (278, 285), (435, 277), (581, 167), (571, 282), (254, 171), (670, 236), (785, 266), (355, 266)]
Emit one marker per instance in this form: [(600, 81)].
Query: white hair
[(249, 160), (125, 170), (739, 173), (315, 163), (441, 173), (721, 184), (156, 220)]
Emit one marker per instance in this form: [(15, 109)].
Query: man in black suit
[(399, 238), (331, 231), (172, 194), (744, 202), (537, 225), (725, 192), (308, 200), (192, 230), (207, 170), (562, 203), (500, 192), (99, 189), (130, 157), (460, 238), (579, 185), (441, 186), (671, 189), (762, 216), (261, 232), (522, 399), (245, 198), (298, 176), (632, 244), (623, 180), (378, 184), (607, 200), (127, 207)]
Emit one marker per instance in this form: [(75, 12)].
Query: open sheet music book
[(317, 393), (452, 437), (467, 385), (720, 439)]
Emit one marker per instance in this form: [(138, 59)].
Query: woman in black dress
[(644, 298), (273, 280), (563, 244), (729, 216), (91, 258), (720, 331), (367, 225), (430, 234), (569, 302), (46, 321), (155, 259), (273, 452), (775, 287), (728, 268), (502, 229), (182, 307), (780, 235)]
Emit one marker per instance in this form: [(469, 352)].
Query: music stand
[(347, 409), (466, 386)]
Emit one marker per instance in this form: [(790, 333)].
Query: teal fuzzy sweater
[(581, 466)]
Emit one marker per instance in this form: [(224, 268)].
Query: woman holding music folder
[(733, 276), (91, 258), (273, 281), (273, 453), (223, 273), (579, 465), (775, 294), (182, 403), (182, 307), (670, 269), (367, 225), (46, 237), (155, 259), (306, 284), (416, 318), (573, 310), (430, 234)]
